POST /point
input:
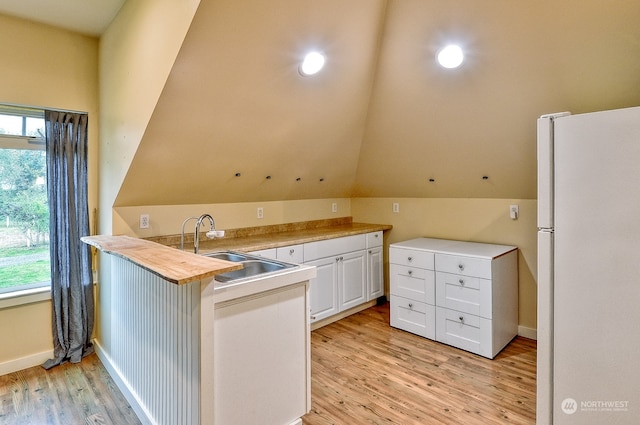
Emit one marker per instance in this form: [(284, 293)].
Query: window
[(24, 212)]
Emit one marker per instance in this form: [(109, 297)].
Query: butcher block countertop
[(275, 236), (173, 265)]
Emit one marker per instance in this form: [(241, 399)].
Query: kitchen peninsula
[(186, 349), (175, 344)]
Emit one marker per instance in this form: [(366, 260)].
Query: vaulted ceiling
[(237, 122)]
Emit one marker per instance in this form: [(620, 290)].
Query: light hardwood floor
[(363, 372)]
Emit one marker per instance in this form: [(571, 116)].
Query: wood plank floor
[(363, 372), (69, 394)]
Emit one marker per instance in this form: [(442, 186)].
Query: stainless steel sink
[(228, 256), (252, 266)]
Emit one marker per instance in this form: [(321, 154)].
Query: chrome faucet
[(196, 237), (182, 232)]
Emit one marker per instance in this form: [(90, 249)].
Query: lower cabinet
[(349, 271), (261, 355), (352, 279), (463, 294), (323, 289), (375, 261)]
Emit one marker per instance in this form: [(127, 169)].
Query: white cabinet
[(349, 271), (270, 253), (291, 254), (352, 279), (262, 355), (375, 279), (341, 280), (466, 291), (323, 289)]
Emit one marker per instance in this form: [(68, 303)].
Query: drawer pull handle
[(410, 306), (461, 281), (291, 251), (461, 318), (410, 272), (461, 266), (410, 259)]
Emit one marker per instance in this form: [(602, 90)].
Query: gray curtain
[(71, 275)]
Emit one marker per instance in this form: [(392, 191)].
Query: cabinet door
[(352, 273), (375, 282), (323, 289)]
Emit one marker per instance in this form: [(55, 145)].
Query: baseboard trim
[(135, 404), (25, 362), (528, 332)]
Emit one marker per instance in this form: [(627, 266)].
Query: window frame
[(27, 293)]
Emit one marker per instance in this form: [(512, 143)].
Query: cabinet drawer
[(412, 283), (266, 253), (332, 247), (409, 257), (413, 316), (468, 266), (463, 330), (374, 239), (463, 293), (292, 253)]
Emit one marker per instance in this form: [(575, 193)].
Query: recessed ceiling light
[(312, 63), (450, 56)]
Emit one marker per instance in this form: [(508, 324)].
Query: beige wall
[(479, 220), (136, 54), (45, 67)]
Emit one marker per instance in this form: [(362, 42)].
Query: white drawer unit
[(473, 288)]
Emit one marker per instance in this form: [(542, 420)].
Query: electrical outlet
[(334, 207), (396, 207), (144, 221), (514, 212), (260, 212)]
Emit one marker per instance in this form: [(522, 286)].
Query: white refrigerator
[(589, 268)]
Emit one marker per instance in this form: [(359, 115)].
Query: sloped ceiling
[(235, 103), (381, 119)]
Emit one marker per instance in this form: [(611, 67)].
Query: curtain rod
[(42, 108)]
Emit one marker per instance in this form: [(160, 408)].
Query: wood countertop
[(176, 266), (276, 236), (160, 256)]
